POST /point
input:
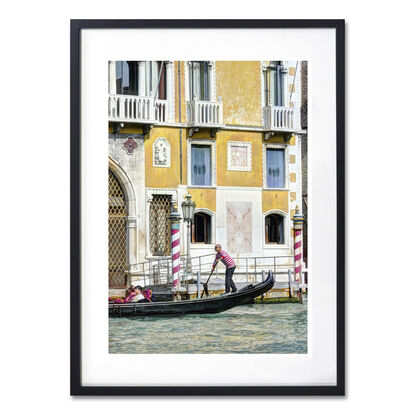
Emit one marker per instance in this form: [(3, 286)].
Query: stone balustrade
[(204, 113), (281, 118), (131, 108)]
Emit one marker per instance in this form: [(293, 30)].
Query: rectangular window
[(201, 165), (275, 168), (126, 77), (275, 85), (155, 76), (199, 81), (201, 228), (274, 229), (161, 71)]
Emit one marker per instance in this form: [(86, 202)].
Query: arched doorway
[(117, 233)]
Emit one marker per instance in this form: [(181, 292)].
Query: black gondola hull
[(200, 306)]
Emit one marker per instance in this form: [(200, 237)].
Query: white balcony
[(136, 109), (282, 119), (204, 113)]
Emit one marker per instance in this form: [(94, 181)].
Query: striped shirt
[(226, 259)]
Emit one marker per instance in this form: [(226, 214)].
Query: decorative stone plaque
[(161, 153), (239, 156), (239, 227), (129, 145)]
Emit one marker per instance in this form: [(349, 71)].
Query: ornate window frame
[(150, 192), (248, 146), (201, 245), (211, 143), (168, 162), (212, 80), (286, 218), (264, 165)]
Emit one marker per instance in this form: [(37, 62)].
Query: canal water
[(258, 328)]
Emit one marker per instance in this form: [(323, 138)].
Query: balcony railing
[(131, 108), (282, 118), (204, 113)]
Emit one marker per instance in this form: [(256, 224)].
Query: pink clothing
[(226, 259), (147, 294), (131, 298)]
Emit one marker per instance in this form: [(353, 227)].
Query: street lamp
[(188, 207)]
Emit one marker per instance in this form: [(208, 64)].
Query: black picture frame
[(77, 26)]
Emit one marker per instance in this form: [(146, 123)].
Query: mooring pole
[(199, 279), (175, 252), (298, 221)]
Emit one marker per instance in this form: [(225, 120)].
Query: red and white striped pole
[(298, 221), (175, 248)]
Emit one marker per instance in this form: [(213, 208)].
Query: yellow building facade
[(226, 132)]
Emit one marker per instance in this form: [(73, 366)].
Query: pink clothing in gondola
[(132, 298)]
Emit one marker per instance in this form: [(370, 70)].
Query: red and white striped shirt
[(226, 259)]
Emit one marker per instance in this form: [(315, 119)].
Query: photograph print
[(207, 207)]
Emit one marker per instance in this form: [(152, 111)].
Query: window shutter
[(205, 81), (280, 230), (162, 84), (272, 87), (280, 85), (193, 231), (196, 81), (154, 77), (148, 78), (205, 229), (266, 229)]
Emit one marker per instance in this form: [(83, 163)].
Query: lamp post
[(188, 207)]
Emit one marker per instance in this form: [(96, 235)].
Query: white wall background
[(35, 206)]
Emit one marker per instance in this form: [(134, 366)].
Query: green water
[(258, 328)]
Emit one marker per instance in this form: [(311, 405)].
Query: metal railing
[(157, 271)]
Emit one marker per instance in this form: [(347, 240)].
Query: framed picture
[(207, 207)]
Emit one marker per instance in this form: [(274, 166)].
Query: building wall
[(227, 177), (129, 169), (238, 202), (238, 83), (163, 176)]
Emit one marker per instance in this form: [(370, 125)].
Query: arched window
[(274, 229), (117, 233), (201, 228)]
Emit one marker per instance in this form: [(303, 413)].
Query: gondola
[(208, 305)]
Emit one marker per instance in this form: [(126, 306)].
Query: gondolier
[(230, 265)]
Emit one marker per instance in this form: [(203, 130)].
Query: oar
[(205, 285)]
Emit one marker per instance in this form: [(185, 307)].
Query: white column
[(141, 78), (155, 74), (273, 86), (263, 72), (211, 82), (284, 89), (170, 90), (196, 81), (112, 81)]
